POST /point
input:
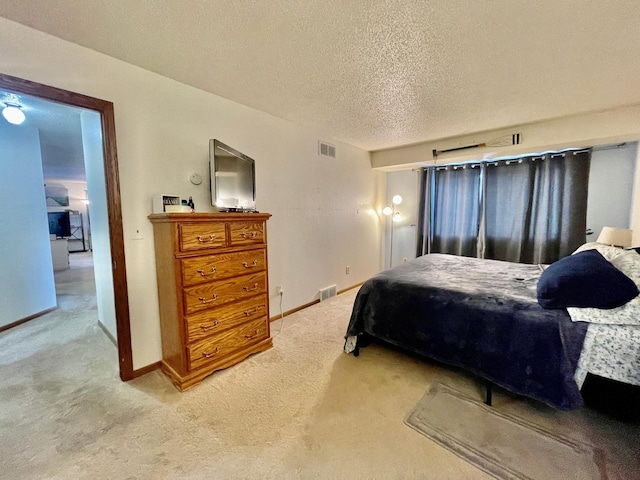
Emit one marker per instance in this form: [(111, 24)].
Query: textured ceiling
[(379, 73)]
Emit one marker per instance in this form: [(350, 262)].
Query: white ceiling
[(373, 73), (60, 135)]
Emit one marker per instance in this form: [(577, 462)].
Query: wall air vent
[(326, 150), (327, 293)]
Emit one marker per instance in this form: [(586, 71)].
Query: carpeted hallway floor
[(302, 410)]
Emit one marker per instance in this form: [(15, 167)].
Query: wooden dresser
[(213, 291)]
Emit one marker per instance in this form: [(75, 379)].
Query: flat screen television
[(59, 224), (233, 183)]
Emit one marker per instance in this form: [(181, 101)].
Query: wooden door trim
[(114, 208)]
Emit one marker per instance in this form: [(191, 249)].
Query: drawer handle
[(249, 312), (202, 272), (214, 297), (247, 289), (205, 240), (254, 264), (249, 235), (209, 355), (249, 336), (208, 327)]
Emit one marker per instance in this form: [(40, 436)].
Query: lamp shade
[(619, 237)]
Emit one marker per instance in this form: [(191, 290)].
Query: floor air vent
[(326, 149), (327, 293)]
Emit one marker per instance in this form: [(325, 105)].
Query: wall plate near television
[(59, 224), (233, 179)]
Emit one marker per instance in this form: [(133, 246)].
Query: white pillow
[(607, 251), (628, 262)]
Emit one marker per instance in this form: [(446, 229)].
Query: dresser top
[(207, 217)]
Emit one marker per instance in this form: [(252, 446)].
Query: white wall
[(99, 217), (26, 281), (406, 184), (323, 209), (611, 179)]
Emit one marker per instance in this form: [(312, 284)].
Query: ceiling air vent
[(326, 150)]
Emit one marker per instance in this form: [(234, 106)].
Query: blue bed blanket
[(481, 315)]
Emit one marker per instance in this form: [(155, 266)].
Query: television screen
[(232, 178), (59, 224)]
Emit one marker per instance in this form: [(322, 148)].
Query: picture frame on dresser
[(212, 274)]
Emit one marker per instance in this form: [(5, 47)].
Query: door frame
[(114, 208)]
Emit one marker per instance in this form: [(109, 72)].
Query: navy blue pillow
[(585, 279)]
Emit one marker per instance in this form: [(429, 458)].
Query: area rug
[(502, 445)]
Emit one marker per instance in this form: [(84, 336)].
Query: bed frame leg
[(489, 393)]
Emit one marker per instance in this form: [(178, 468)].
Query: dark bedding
[(481, 315)]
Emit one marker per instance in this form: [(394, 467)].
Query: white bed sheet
[(610, 351), (612, 344)]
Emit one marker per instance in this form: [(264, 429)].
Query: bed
[(485, 316)]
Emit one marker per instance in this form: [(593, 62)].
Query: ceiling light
[(13, 114)]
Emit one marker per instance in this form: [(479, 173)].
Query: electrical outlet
[(348, 269), (279, 290)]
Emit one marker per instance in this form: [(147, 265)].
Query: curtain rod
[(495, 163), (509, 160), (476, 163), (609, 147)]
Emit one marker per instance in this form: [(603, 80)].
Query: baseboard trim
[(157, 365), (306, 305), (107, 333), (26, 319), (350, 288), (147, 369), (294, 310)]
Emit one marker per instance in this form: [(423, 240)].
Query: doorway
[(112, 190)]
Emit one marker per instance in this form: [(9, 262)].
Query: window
[(527, 210)]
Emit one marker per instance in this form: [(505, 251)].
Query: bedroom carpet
[(301, 410), (504, 446)]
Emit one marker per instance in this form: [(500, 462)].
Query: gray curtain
[(455, 202), (527, 210), (535, 208), (423, 243)]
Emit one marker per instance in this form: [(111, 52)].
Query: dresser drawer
[(222, 265), (218, 346), (200, 236), (246, 233), (211, 322), (210, 295)]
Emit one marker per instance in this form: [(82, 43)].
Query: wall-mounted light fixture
[(395, 217)]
